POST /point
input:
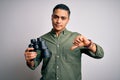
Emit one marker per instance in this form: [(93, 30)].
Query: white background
[(21, 20)]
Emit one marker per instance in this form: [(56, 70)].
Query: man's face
[(60, 19)]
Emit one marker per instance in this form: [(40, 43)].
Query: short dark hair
[(62, 6)]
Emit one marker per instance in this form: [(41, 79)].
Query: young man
[(65, 48)]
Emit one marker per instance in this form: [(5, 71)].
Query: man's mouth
[(58, 25)]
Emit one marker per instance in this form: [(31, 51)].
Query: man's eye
[(63, 18), (55, 17)]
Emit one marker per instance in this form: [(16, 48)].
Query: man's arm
[(90, 48)]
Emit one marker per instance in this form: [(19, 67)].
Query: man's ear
[(68, 20), (51, 16)]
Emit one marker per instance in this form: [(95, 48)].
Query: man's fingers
[(79, 41), (30, 57), (29, 49), (73, 47)]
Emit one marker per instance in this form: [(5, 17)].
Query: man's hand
[(82, 41), (30, 54)]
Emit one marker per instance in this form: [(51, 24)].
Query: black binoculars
[(39, 44)]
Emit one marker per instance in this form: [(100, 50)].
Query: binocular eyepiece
[(39, 44)]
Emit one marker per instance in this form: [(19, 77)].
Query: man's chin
[(58, 29)]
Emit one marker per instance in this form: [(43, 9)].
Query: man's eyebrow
[(55, 15), (59, 16)]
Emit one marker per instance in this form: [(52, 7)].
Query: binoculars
[(39, 44)]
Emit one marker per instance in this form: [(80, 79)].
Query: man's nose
[(59, 20)]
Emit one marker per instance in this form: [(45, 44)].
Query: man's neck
[(58, 32)]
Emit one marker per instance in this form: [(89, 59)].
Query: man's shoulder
[(46, 35), (74, 33)]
